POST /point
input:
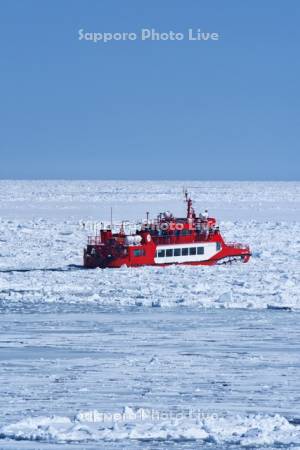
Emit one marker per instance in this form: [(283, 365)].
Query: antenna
[(122, 228), (111, 217)]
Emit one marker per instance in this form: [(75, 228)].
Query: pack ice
[(74, 343)]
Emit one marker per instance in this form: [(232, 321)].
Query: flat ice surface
[(191, 357)]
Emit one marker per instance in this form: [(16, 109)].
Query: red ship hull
[(225, 256)]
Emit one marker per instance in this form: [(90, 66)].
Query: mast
[(190, 213)]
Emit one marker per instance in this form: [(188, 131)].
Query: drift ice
[(166, 240)]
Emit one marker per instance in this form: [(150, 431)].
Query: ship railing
[(173, 239), (94, 240)]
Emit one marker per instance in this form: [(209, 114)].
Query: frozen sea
[(152, 358)]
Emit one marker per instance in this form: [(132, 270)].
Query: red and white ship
[(194, 239)]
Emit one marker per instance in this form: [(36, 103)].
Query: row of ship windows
[(186, 251), (179, 252), (178, 233), (170, 252)]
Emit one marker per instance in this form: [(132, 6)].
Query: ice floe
[(140, 424)]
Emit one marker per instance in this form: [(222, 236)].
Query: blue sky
[(226, 109)]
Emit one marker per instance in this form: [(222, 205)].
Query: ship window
[(185, 251), (139, 253), (218, 246), (200, 250), (156, 254), (193, 251), (161, 253), (185, 232), (169, 252), (177, 251)]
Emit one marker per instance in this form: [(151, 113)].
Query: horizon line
[(157, 179)]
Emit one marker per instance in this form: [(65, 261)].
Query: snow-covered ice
[(246, 432), (221, 340)]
